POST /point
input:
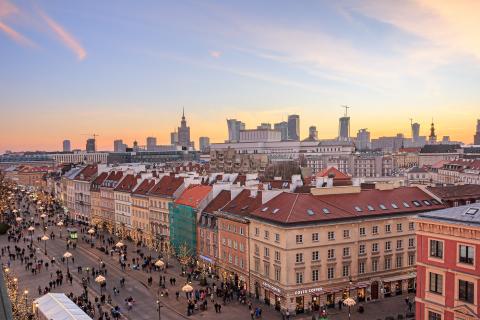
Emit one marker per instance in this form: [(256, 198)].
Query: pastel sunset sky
[(124, 69)]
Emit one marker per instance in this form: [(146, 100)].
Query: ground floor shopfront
[(234, 277), (311, 298)]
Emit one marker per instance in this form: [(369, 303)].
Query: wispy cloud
[(16, 36), (64, 36), (215, 54)]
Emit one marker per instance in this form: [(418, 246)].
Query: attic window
[(275, 210), (434, 201), (264, 209), (406, 205), (471, 211), (427, 202), (245, 207), (326, 211), (382, 206), (416, 203), (310, 212), (394, 206), (358, 209), (370, 208)]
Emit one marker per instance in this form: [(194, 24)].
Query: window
[(299, 257), (465, 291), (257, 249), (374, 265), (411, 260), (299, 238), (277, 274), (277, 237), (436, 249), (266, 252), (299, 277), (358, 209), (315, 237), (399, 227), (346, 252), (388, 228), (361, 249), (242, 247), (315, 275), (331, 253), (361, 267), (388, 245), (411, 242), (375, 247), (330, 273), (346, 234), (436, 283), (267, 234), (399, 261), (315, 256), (411, 226), (375, 230), (466, 254), (362, 231), (388, 263), (331, 235), (434, 316), (266, 269), (370, 208), (346, 270), (382, 206), (400, 244), (257, 232), (394, 206), (277, 255)]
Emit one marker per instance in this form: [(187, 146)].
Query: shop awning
[(59, 307), (401, 277)]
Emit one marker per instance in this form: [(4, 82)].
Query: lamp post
[(43, 216), (45, 238), (100, 280), (26, 299), (67, 255), (159, 307), (31, 229), (349, 302), (91, 231), (159, 264), (60, 225)]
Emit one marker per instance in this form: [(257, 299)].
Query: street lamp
[(31, 229), (159, 264), (349, 302), (159, 309), (26, 299), (91, 231), (187, 288), (67, 255), (43, 216), (45, 238), (60, 225), (100, 280)]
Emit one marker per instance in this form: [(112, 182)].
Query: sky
[(125, 69)]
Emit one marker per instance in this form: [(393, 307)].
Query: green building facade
[(183, 227)]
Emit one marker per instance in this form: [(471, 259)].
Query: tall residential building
[(363, 139), (151, 143), (184, 133), (91, 146), (174, 138), (204, 143), (344, 129), (67, 146), (283, 128), (476, 137), (294, 127), (415, 132), (312, 133), (234, 127), (119, 146)]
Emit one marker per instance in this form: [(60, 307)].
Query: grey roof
[(468, 215)]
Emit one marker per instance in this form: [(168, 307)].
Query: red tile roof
[(218, 202), (303, 208), (87, 174), (332, 171), (193, 195), (456, 192), (166, 186), (243, 203), (98, 181), (144, 187), (127, 184)]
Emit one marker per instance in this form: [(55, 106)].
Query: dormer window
[(382, 206), (416, 203), (406, 205), (326, 211), (310, 212), (358, 209), (394, 206), (370, 208), (264, 209), (427, 202), (275, 210)]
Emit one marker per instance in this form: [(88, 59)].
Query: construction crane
[(346, 109), (94, 135)]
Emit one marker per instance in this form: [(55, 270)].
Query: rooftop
[(127, 184), (144, 187), (440, 148), (193, 195), (244, 203), (468, 215), (218, 202), (456, 192), (166, 186), (334, 173), (87, 174), (98, 181)]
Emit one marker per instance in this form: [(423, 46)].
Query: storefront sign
[(206, 259), (269, 286), (306, 291)]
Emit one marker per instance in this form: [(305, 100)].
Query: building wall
[(141, 230), (123, 213), (183, 227)]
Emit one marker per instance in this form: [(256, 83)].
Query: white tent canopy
[(59, 307)]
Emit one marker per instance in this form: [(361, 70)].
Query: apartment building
[(448, 269), (82, 181), (123, 204), (141, 230), (96, 217), (107, 199), (309, 250), (160, 196)]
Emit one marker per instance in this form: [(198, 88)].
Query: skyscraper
[(294, 127), (204, 143), (234, 127), (313, 133), (119, 146), (91, 146), (363, 139), (67, 146), (476, 138), (344, 126), (415, 132), (151, 143), (283, 128), (174, 138), (184, 133)]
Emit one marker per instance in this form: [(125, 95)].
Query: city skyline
[(211, 58)]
